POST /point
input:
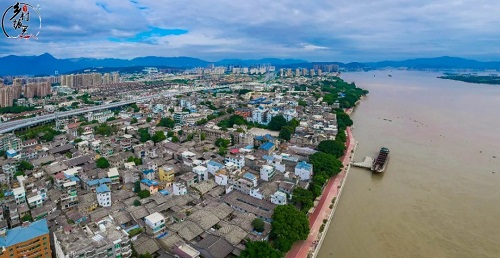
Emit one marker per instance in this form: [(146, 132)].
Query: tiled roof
[(267, 146), (102, 189), (22, 234)]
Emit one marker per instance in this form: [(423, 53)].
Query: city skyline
[(313, 31)]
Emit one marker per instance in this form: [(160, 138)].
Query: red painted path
[(322, 211)]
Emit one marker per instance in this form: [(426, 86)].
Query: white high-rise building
[(103, 195)]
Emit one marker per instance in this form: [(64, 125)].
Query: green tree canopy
[(144, 135), (144, 194), (258, 225), (260, 249), (223, 143), (133, 121), (149, 119), (303, 198), (233, 120), (286, 133), (137, 186), (277, 123), (103, 129), (336, 148), (167, 122), (175, 139), (159, 136), (25, 165), (288, 226), (323, 162), (137, 203), (343, 120), (102, 162)]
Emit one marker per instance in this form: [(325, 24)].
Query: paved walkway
[(322, 211)]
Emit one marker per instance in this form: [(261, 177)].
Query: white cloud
[(344, 30)]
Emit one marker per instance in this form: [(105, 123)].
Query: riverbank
[(310, 246)]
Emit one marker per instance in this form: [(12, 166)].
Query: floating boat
[(381, 161)]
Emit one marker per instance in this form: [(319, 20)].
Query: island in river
[(473, 78)]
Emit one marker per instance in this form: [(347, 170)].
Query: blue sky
[(340, 30)]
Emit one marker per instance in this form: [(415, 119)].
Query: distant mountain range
[(46, 64)]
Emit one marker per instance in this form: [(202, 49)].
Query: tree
[(133, 121), (167, 122), (277, 123), (180, 132), (303, 198), (288, 226), (27, 217), (230, 110), (19, 173), (175, 139), (48, 137), (258, 225), (327, 163), (25, 165), (203, 136), (343, 120), (302, 102), (286, 133), (257, 249), (103, 129), (137, 203), (159, 136), (144, 135), (222, 143), (102, 162), (336, 148), (137, 186), (144, 194), (149, 119)]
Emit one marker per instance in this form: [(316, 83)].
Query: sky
[(314, 30)]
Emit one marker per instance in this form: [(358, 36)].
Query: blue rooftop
[(249, 147), (149, 182), (22, 234), (99, 181), (215, 164), (102, 189), (148, 171), (267, 146), (268, 158), (304, 165), (164, 192), (249, 175), (266, 137), (72, 178)]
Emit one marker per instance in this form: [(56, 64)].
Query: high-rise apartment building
[(28, 240)]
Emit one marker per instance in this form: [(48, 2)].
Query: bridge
[(366, 163), (18, 124)]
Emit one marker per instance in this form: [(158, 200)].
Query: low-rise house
[(304, 170), (155, 224), (149, 185), (103, 195)]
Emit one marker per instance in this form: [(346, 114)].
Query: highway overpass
[(18, 124)]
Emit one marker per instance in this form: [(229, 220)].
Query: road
[(18, 124), (322, 211)]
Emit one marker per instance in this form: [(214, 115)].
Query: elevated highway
[(18, 124)]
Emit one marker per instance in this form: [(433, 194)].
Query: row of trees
[(326, 164), (288, 226)]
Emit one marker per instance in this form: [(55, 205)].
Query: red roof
[(234, 151)]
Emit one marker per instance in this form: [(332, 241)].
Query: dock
[(366, 163)]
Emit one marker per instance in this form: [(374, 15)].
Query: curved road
[(17, 124)]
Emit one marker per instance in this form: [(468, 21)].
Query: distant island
[(473, 78)]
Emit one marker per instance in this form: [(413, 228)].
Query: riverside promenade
[(308, 247)]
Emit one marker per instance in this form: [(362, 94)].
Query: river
[(440, 194)]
